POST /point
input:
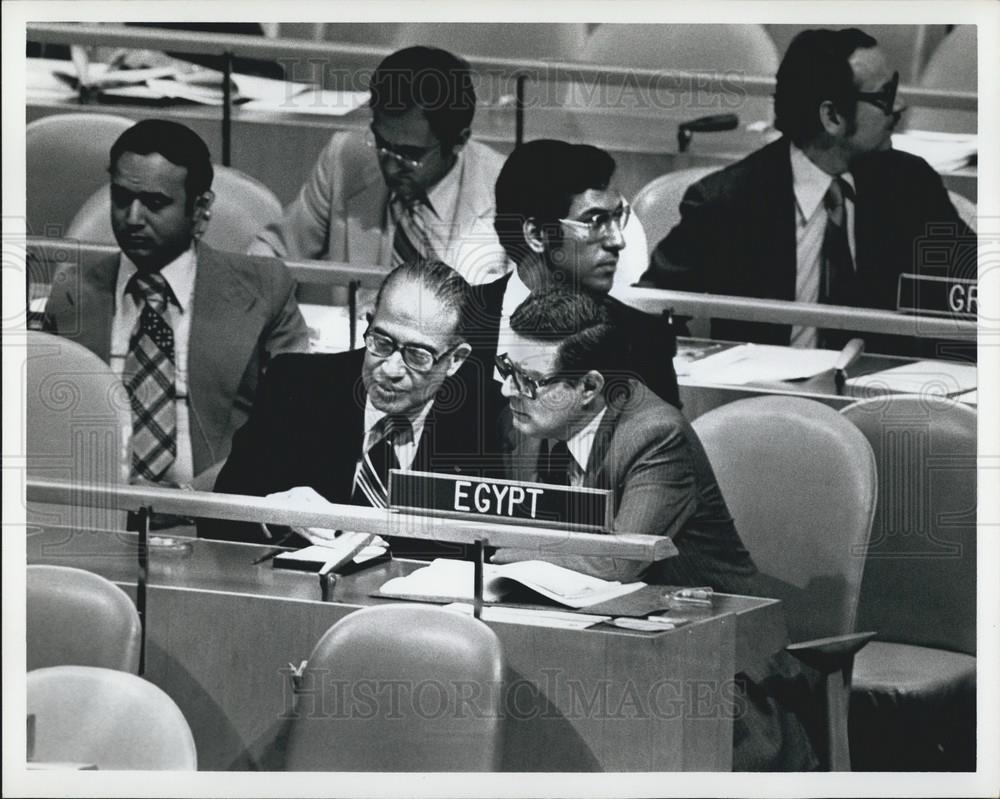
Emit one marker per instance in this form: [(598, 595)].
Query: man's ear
[(831, 118), (533, 235), (458, 356), (593, 384), (201, 214)]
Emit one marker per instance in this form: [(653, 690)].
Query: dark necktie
[(554, 463), (410, 240), (149, 380), (371, 487), (837, 265)]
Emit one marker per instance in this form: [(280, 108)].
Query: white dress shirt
[(405, 447), (810, 184), (579, 445), (180, 275)]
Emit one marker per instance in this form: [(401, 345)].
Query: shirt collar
[(373, 416), (582, 441), (810, 183), (443, 195), (179, 274)]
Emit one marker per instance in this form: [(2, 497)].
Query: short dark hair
[(431, 79), (588, 339), (816, 68), (178, 144), (438, 278), (539, 181)]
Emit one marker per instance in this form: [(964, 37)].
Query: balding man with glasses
[(562, 221), (330, 427), (412, 186)]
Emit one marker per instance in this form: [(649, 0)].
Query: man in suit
[(331, 426), (189, 328), (828, 213), (574, 421), (412, 186), (561, 220)]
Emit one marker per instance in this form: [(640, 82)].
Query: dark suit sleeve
[(680, 261), (287, 330)]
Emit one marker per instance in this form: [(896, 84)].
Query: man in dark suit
[(333, 425), (561, 219), (574, 421), (829, 212), (222, 316)]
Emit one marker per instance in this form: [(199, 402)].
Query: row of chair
[(806, 487)]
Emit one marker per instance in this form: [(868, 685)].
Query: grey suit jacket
[(339, 214), (646, 453), (244, 312)]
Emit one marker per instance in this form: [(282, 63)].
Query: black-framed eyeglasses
[(599, 224), (527, 386), (885, 98), (405, 155), (416, 356)]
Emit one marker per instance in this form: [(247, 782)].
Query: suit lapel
[(595, 475), (365, 220), (222, 342), (92, 311), (776, 233)]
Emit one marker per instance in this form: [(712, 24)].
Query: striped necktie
[(410, 241), (149, 380), (371, 486)]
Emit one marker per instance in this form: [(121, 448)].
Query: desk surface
[(228, 670)]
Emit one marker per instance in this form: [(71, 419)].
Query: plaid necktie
[(410, 240), (371, 486), (149, 373)]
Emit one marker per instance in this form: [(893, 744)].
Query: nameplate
[(938, 296), (503, 501)]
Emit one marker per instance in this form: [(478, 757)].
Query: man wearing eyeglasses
[(828, 213), (575, 419), (330, 427), (412, 186), (562, 221)]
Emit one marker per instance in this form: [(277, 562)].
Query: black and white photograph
[(505, 399)]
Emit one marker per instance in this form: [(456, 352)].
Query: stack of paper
[(561, 619), (749, 363), (937, 378)]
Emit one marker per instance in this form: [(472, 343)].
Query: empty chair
[(800, 482), (913, 705), (66, 162), (242, 207), (79, 425), (107, 718), (416, 662), (78, 618), (657, 203), (953, 66)]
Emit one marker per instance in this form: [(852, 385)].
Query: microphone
[(709, 124), (853, 350)]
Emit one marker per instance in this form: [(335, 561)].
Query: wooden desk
[(221, 633)]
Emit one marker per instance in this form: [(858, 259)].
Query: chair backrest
[(107, 718), (657, 203), (415, 662), (953, 65), (920, 571), (78, 618), (800, 483), (541, 41), (242, 207), (66, 162), (79, 426)]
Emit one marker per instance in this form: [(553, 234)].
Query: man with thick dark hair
[(828, 213), (413, 186), (573, 420), (189, 328), (561, 220), (323, 424)]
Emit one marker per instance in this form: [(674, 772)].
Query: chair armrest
[(827, 655)]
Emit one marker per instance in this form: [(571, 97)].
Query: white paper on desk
[(267, 89), (938, 378), (560, 619), (320, 102), (749, 363), (329, 327), (946, 152)]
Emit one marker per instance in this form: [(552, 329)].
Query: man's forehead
[(595, 199), (871, 69), (409, 128), (150, 169), (532, 355), (410, 305)]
